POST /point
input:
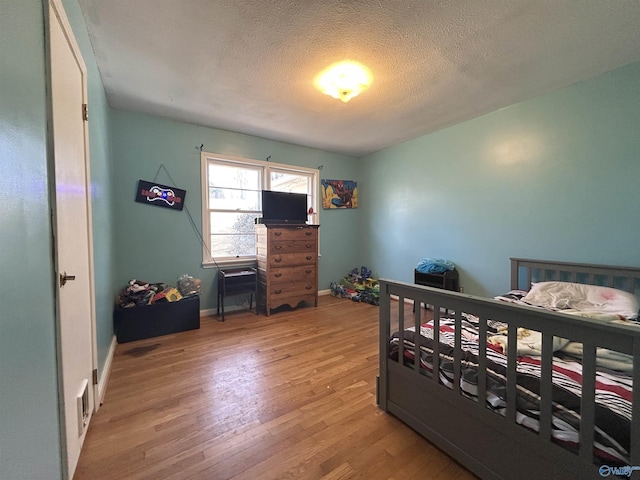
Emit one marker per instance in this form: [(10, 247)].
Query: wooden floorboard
[(289, 396)]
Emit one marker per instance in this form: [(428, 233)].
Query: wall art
[(339, 194)]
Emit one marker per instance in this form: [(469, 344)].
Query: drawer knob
[(277, 234), (308, 257), (307, 272), (308, 234), (277, 260), (277, 275), (308, 287), (278, 247), (277, 292)]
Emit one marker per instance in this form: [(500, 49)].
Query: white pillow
[(591, 298)]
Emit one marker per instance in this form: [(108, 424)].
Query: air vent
[(82, 401)]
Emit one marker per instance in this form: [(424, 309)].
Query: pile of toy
[(359, 286), (139, 293)]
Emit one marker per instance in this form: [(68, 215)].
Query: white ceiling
[(248, 65)]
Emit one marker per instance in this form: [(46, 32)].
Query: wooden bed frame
[(489, 445)]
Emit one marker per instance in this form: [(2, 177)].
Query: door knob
[(64, 278)]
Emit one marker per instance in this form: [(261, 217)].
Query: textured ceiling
[(248, 66)]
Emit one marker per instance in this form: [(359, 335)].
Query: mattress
[(613, 394)]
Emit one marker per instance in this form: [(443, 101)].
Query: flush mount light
[(343, 80)]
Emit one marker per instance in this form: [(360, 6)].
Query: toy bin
[(137, 323)]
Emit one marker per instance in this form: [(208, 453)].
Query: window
[(231, 201)]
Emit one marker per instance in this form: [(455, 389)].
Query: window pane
[(233, 199), (234, 176), (232, 222), (290, 182), (241, 245)]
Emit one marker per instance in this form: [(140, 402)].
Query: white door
[(73, 240)]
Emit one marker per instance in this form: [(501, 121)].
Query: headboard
[(524, 271)]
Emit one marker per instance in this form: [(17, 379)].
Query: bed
[(500, 410)]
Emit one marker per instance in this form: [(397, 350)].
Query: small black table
[(236, 282), (447, 280)]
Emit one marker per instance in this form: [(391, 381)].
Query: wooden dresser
[(287, 265)]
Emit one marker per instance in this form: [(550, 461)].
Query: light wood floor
[(290, 396)]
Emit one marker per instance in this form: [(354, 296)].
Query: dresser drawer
[(289, 290), (293, 246), (277, 234), (301, 274), (291, 259)]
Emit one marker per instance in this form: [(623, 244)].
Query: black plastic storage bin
[(137, 323)]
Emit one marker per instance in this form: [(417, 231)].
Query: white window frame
[(206, 158)]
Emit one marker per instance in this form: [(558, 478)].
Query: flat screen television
[(283, 207)]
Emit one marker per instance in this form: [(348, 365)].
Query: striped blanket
[(613, 389)]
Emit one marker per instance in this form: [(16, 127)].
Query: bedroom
[(457, 195)]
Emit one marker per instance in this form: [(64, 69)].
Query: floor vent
[(83, 407)]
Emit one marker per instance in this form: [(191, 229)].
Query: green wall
[(29, 442), (30, 446), (157, 244), (555, 177)]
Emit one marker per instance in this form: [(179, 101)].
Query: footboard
[(495, 445)]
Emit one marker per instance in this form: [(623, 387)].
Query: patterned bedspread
[(613, 389)]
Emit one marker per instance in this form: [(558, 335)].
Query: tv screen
[(284, 207)]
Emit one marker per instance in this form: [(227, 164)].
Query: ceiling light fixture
[(343, 80)]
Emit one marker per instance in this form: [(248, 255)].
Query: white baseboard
[(106, 371), (211, 312), (406, 300), (207, 312)]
